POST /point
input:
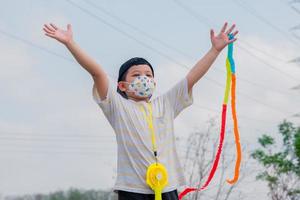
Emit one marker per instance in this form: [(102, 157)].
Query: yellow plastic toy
[(157, 178)]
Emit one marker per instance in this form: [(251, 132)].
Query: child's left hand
[(221, 40)]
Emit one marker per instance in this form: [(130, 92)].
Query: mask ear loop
[(127, 90)]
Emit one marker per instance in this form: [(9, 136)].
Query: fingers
[(232, 40), (55, 28), (48, 31), (230, 29), (50, 35), (49, 28), (235, 33), (233, 37), (224, 27)]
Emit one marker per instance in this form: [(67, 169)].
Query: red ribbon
[(217, 157)]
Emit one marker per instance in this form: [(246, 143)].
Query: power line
[(165, 44), (144, 33), (263, 87), (219, 111), (32, 44), (73, 61), (204, 20), (296, 36), (263, 52), (295, 9), (123, 32), (153, 49), (181, 148), (100, 153), (83, 149), (295, 27), (267, 64), (70, 139), (59, 139), (137, 29), (194, 14), (61, 147), (70, 60), (61, 134), (53, 53), (35, 45), (252, 11), (18, 38), (208, 23)]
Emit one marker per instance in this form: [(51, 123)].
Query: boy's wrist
[(69, 43), (214, 50)]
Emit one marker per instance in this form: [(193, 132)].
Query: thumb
[(212, 33)]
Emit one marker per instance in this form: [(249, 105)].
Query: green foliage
[(297, 148), (281, 166), (266, 140), (71, 194)]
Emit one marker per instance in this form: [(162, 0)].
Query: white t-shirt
[(133, 136)]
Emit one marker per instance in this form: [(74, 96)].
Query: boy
[(143, 125)]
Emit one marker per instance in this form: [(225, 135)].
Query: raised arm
[(95, 70), (218, 44)]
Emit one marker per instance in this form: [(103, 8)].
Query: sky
[(53, 135)]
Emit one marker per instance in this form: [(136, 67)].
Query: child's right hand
[(63, 36)]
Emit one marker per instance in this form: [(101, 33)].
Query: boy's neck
[(139, 100)]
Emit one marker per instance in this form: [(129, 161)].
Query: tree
[(281, 166)]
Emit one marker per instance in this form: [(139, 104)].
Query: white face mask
[(142, 86)]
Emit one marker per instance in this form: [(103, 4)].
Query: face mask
[(142, 86)]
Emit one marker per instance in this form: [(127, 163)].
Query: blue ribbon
[(229, 54)]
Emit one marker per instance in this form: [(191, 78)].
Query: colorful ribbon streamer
[(234, 117), (230, 84)]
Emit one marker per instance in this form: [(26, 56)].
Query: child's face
[(132, 73)]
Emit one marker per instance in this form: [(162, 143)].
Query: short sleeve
[(179, 97), (108, 105)]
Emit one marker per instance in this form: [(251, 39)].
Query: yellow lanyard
[(151, 127), (157, 175)]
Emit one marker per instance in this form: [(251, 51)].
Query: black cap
[(129, 63)]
